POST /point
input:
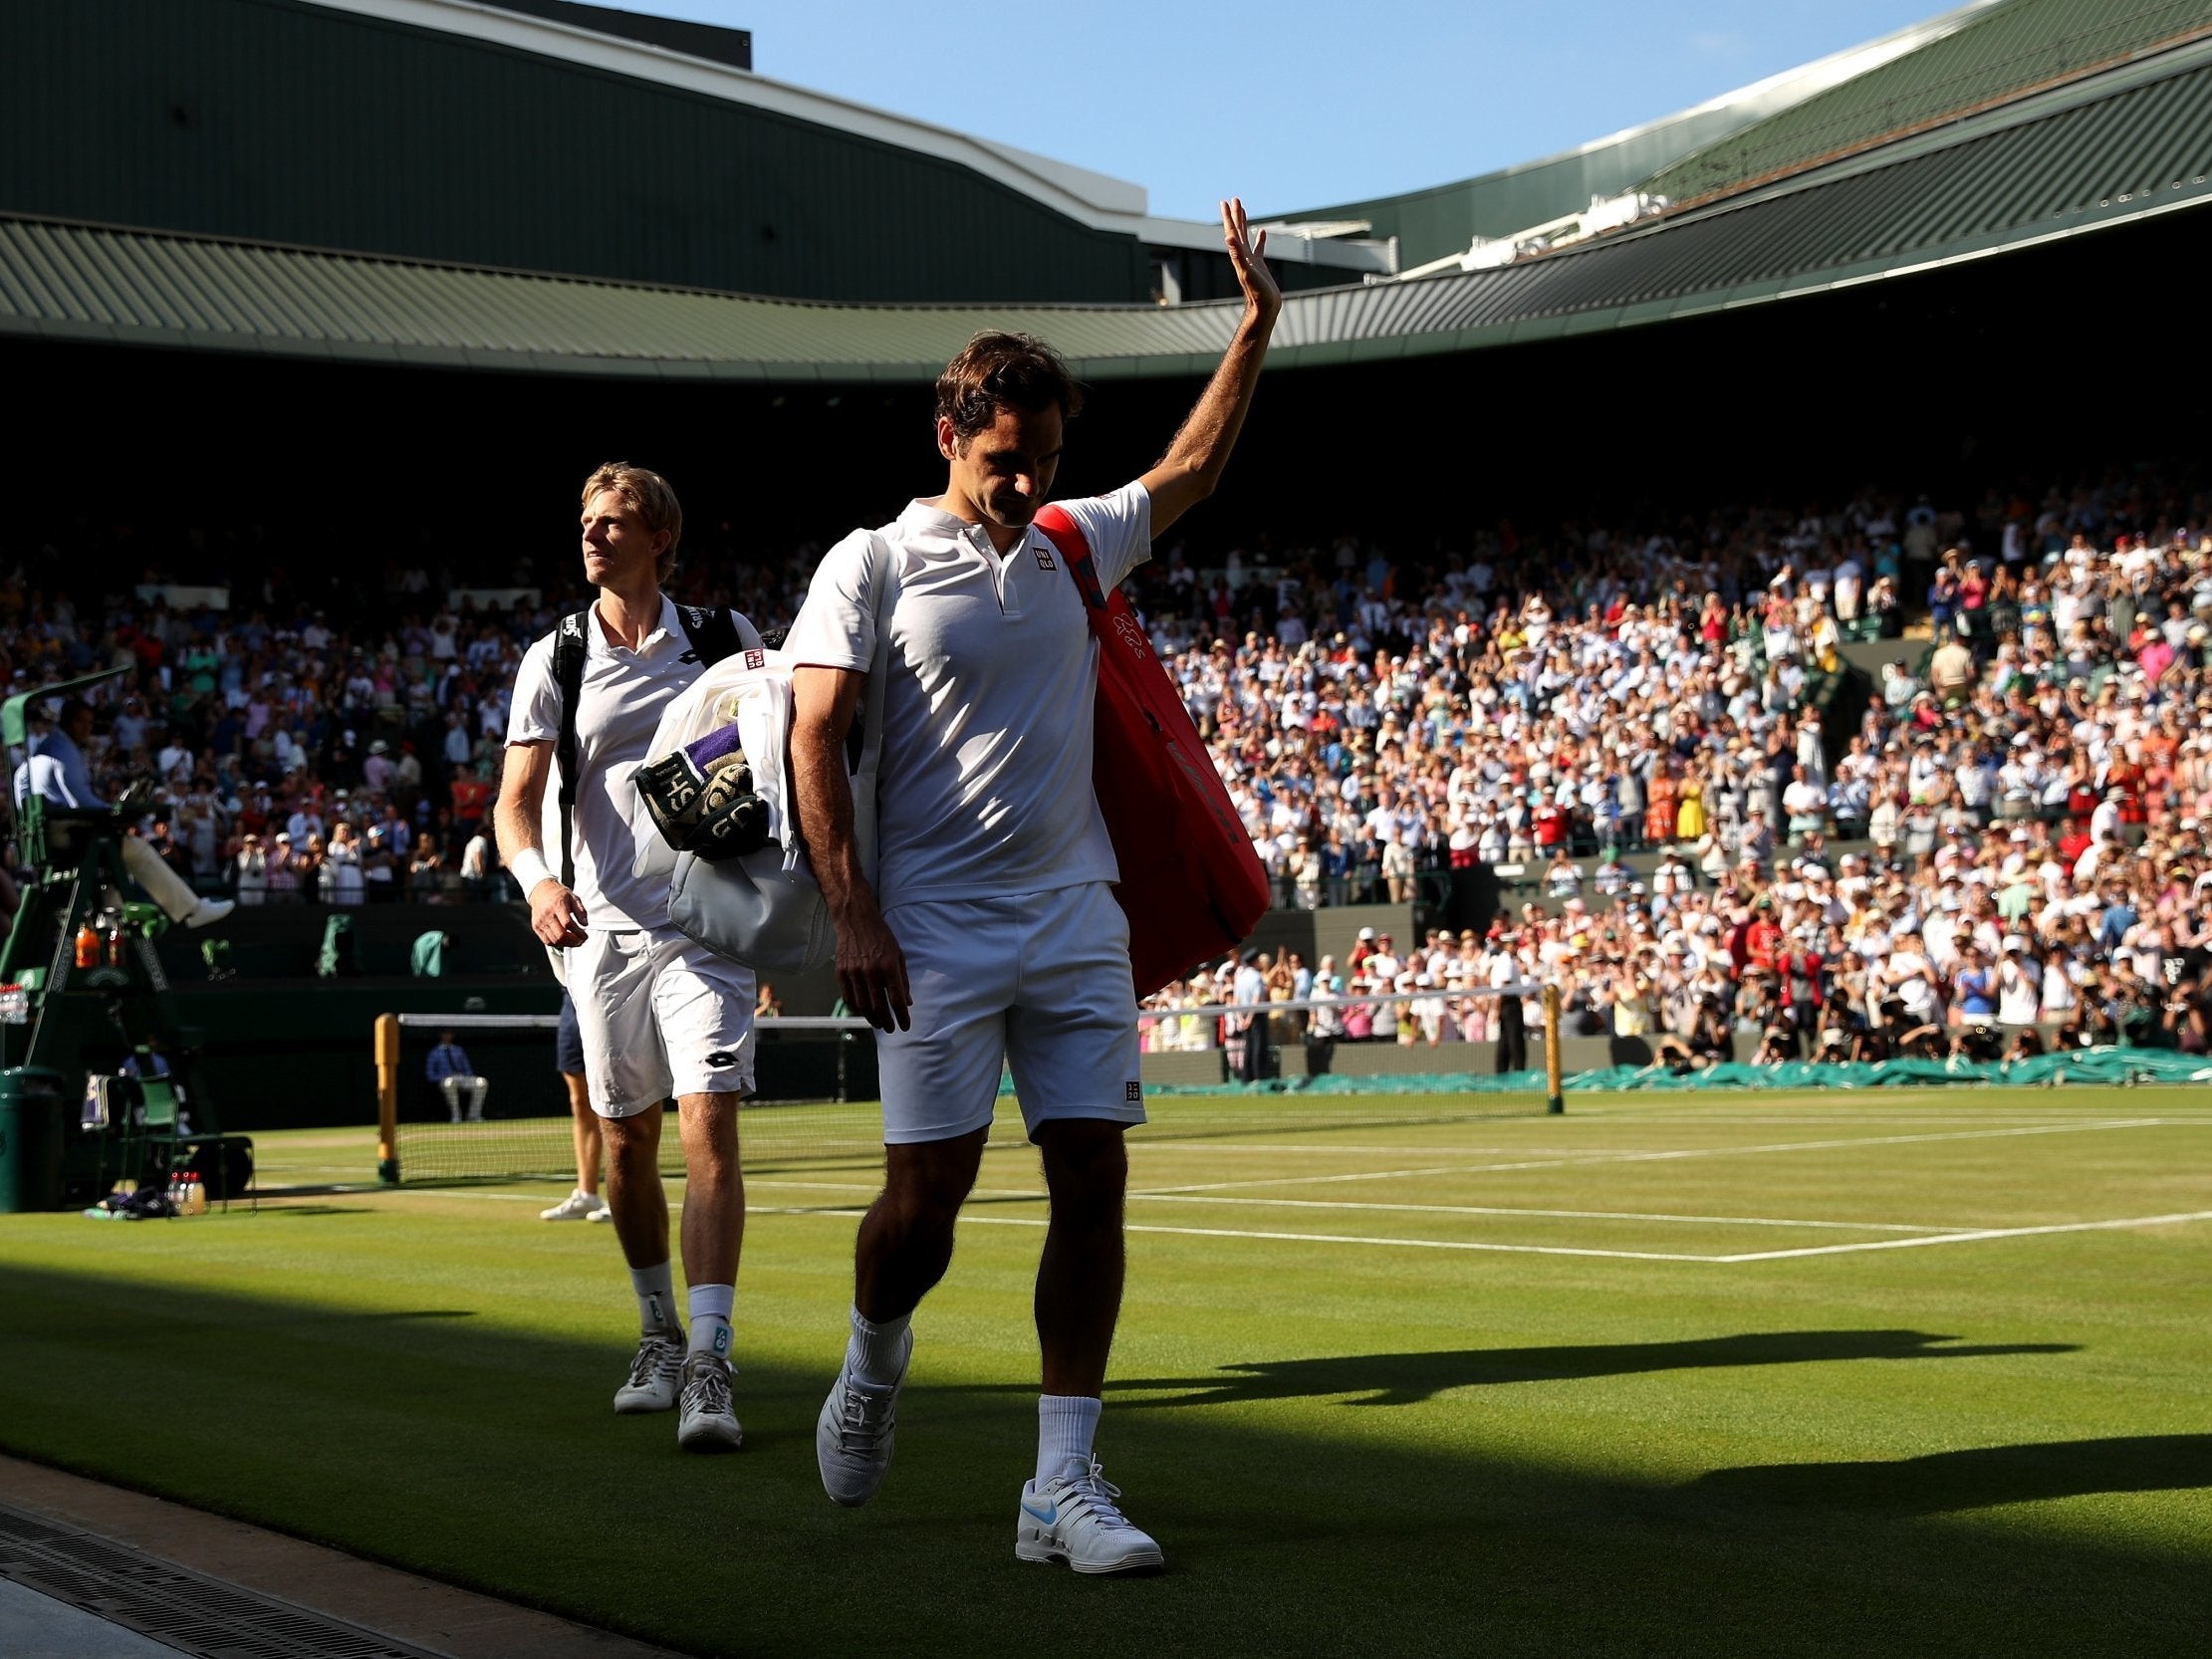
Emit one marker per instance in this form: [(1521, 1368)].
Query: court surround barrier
[(2111, 1067)]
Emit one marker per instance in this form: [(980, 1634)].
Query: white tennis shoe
[(1074, 1518), (656, 1375), (707, 1422), (854, 1435), (577, 1206)]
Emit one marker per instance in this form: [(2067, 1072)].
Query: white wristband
[(529, 867)]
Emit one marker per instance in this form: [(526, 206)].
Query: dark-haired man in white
[(990, 935)]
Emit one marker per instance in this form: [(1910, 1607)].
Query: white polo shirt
[(619, 705), (984, 787)]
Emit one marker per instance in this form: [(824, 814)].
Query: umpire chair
[(67, 1031)]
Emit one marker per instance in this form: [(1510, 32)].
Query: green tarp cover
[(2073, 1065)]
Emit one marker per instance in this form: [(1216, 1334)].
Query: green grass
[(1354, 1444)]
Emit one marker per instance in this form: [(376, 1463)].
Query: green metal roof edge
[(1998, 101), (1643, 313), (2141, 71), (426, 295), (1121, 366)]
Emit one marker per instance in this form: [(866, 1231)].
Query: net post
[(387, 1099), (1556, 1098)]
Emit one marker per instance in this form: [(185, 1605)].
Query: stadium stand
[(2004, 846), (1658, 741), (1506, 733)]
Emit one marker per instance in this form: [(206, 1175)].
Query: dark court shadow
[(476, 1450), (1410, 1378), (1979, 1478), (309, 1189), (412, 1313)]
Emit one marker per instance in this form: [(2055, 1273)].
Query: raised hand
[(1188, 473), (1247, 253)]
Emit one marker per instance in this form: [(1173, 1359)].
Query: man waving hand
[(989, 935)]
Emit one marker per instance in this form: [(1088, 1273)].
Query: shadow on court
[(1410, 1378), (407, 1313), (483, 1451), (1983, 1478)]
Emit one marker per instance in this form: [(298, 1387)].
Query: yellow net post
[(388, 1099), (1557, 1090)]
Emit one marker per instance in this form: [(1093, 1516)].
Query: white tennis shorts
[(660, 1016), (1038, 984)]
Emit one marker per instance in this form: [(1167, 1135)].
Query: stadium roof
[(2124, 144), (1443, 219), (1993, 52), (657, 51)]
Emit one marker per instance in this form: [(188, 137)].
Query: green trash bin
[(31, 1131)]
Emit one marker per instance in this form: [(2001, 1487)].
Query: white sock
[(710, 1318), (1066, 1426), (656, 1300), (873, 1354)]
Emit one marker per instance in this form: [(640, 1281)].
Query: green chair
[(153, 1144)]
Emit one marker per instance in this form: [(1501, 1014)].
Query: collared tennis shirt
[(618, 707), (991, 673)]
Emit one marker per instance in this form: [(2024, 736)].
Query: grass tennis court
[(1906, 1372)]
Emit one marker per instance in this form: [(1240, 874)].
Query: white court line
[(1572, 1249), (1414, 1209), (1972, 1237), (1512, 1210), (1311, 1238), (1607, 1159), (1324, 1180), (1481, 1246), (1230, 1150), (2082, 1127)]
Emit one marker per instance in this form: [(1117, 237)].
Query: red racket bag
[(1191, 885)]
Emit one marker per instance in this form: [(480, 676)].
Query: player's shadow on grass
[(409, 1314), (1410, 1378), (1979, 1478), (457, 1447)]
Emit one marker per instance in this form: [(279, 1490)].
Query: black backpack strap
[(712, 632), (569, 641)]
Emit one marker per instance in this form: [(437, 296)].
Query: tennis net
[(816, 1102)]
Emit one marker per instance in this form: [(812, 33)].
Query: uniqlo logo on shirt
[(1134, 1092), (755, 659), (1045, 560)]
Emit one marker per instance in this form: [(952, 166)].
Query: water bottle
[(195, 1194), (114, 938), (88, 945)]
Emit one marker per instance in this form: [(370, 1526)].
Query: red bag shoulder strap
[(1065, 534)]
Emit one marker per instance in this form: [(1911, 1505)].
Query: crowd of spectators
[(1705, 823), (1999, 844), (309, 742)]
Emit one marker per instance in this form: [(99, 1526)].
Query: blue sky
[(1297, 104)]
